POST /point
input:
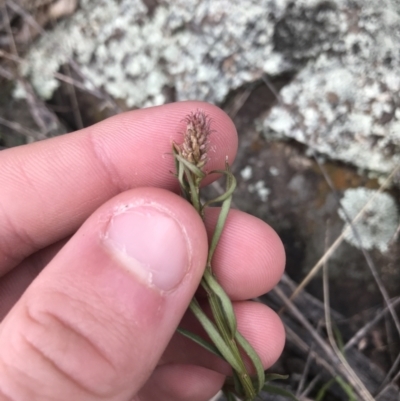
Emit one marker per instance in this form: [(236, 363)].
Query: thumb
[(95, 322)]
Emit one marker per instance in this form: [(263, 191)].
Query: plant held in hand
[(190, 158)]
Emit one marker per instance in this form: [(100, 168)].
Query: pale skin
[(77, 322)]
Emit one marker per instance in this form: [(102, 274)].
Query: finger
[(248, 262), (250, 258), (54, 185), (94, 323), (258, 323), (182, 383), (15, 282)]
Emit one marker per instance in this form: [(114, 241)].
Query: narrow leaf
[(321, 393), (194, 196), (237, 384), (198, 340), (214, 335), (181, 171), (255, 359), (223, 214), (194, 169), (275, 376), (231, 188), (346, 388), (223, 298)]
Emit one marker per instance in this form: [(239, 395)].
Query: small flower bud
[(195, 143)]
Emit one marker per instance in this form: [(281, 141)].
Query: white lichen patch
[(246, 173), (202, 49), (274, 171), (260, 189), (378, 223), (344, 103)]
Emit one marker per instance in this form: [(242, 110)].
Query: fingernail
[(151, 244)]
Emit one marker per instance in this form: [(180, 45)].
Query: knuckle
[(4, 396), (60, 342), (16, 242)]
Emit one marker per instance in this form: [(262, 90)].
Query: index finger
[(51, 187)]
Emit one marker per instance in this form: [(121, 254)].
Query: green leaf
[(200, 341), (231, 184), (255, 359), (278, 391), (194, 169), (181, 178), (275, 376), (224, 300), (211, 330), (324, 389), (237, 384), (194, 195), (346, 388), (231, 181), (219, 227)]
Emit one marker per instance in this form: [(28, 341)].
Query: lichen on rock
[(345, 101), (202, 49), (377, 225)]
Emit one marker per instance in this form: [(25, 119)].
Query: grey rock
[(343, 101)]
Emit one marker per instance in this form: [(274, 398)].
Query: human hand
[(99, 259)]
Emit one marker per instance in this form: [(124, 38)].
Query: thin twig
[(310, 386), (100, 93), (363, 331), (9, 56), (393, 368), (305, 373), (43, 117), (393, 382), (74, 101), (329, 330), (355, 382), (6, 74), (366, 254), (17, 127), (239, 101), (295, 339), (340, 238), (77, 84), (25, 15), (9, 30)]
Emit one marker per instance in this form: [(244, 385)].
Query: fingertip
[(250, 258), (166, 124), (66, 178), (182, 382), (263, 328)]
